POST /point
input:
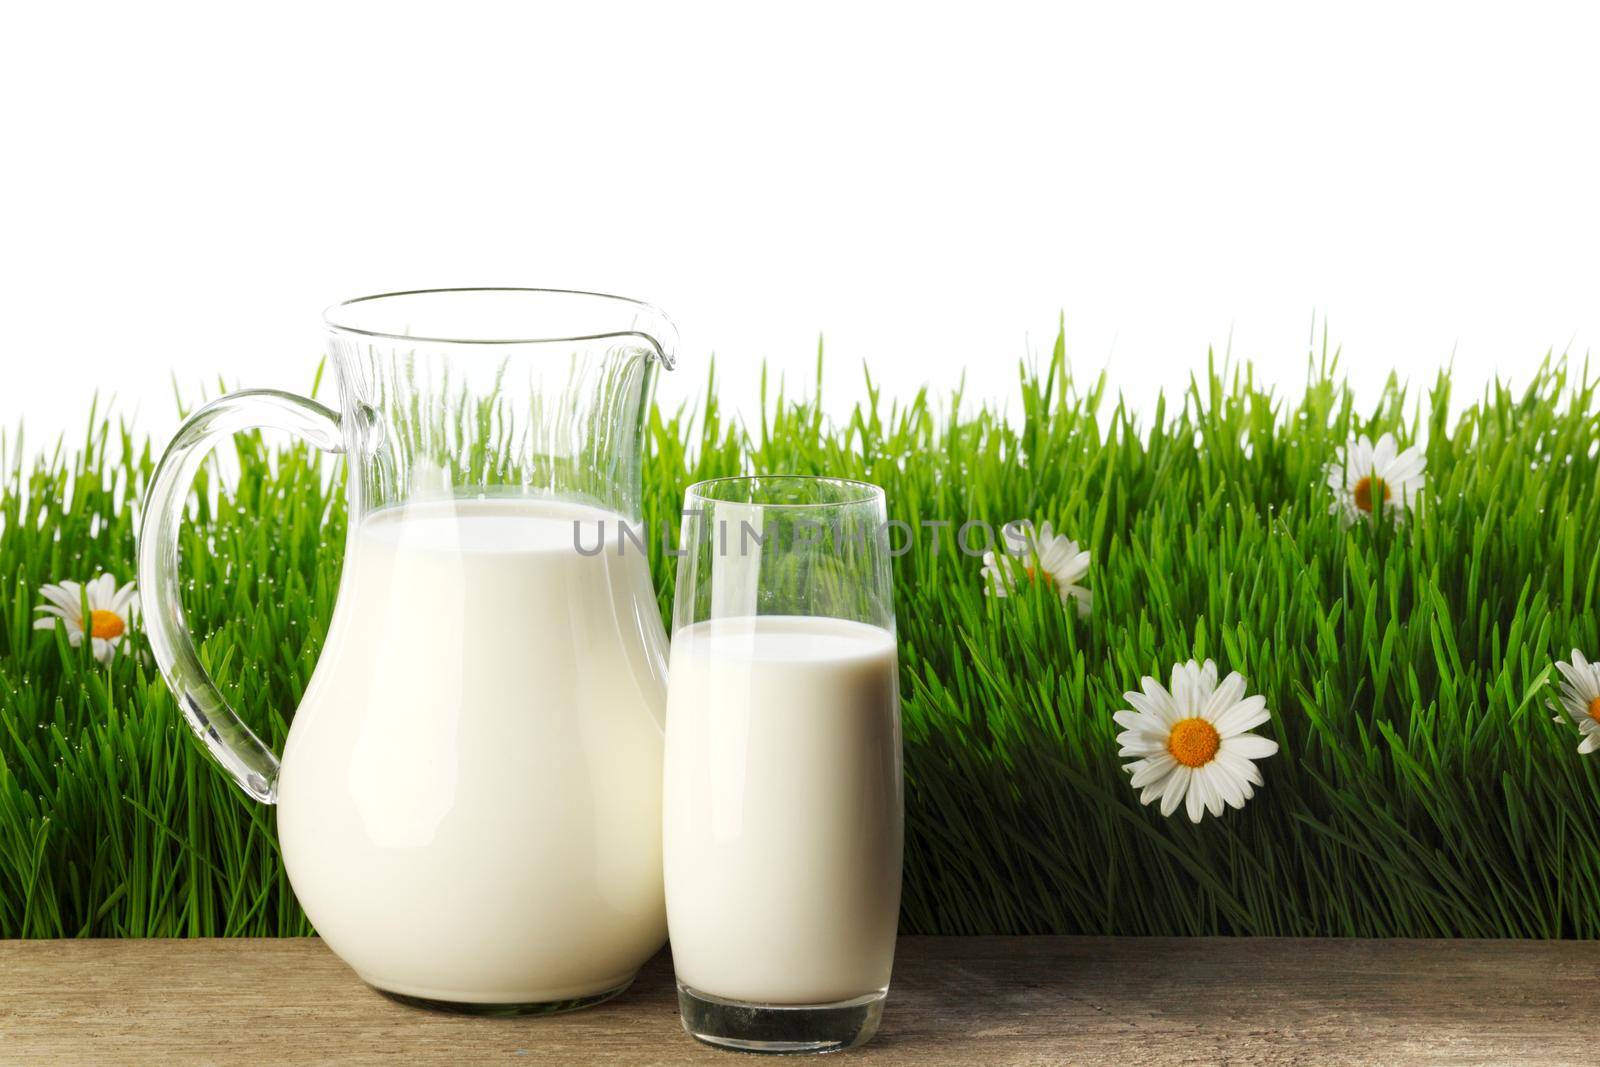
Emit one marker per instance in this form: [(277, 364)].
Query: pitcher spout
[(652, 326)]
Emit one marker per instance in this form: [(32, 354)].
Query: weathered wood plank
[(955, 1000)]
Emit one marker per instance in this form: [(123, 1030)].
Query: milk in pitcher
[(470, 798)]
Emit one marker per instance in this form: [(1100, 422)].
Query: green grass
[(1421, 788)]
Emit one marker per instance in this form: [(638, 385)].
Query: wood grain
[(987, 1000)]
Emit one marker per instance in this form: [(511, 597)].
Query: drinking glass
[(783, 817)]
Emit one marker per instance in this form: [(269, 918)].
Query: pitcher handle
[(251, 763)]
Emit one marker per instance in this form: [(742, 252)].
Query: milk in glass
[(782, 808)]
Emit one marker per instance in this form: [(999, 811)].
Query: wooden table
[(983, 1000)]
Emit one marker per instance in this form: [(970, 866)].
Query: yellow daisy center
[(1369, 487), (105, 624), (1594, 709), (1041, 576), (1193, 742)]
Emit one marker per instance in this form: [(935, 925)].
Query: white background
[(182, 189)]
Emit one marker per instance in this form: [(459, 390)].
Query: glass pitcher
[(469, 797)]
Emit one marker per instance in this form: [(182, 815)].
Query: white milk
[(782, 819), (470, 803)]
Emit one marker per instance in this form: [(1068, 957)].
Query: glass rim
[(863, 492), (663, 347)]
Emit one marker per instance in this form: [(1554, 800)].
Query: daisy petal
[(1228, 787), (1223, 697), (1244, 715), (1161, 704), (1149, 771), (1141, 748), (1128, 720), (1574, 673), (1250, 746), (1248, 774), (69, 601), (1176, 786), (1195, 801), (1156, 711), (1184, 686)]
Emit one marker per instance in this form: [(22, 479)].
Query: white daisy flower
[(1366, 477), (1044, 556), (111, 610), (1193, 743), (1580, 699)]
